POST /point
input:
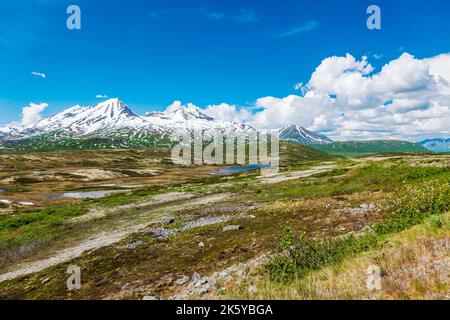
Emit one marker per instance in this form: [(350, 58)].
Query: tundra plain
[(140, 227)]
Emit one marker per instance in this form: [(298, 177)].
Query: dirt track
[(110, 237)]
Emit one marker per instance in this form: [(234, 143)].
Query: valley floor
[(178, 233)]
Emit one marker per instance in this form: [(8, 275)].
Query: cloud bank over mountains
[(345, 98)]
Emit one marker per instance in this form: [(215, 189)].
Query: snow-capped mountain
[(112, 124), (107, 116), (113, 115), (436, 145), (301, 135), (183, 119)]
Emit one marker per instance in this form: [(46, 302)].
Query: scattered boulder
[(167, 220), (134, 244), (195, 277), (182, 280), (232, 227), (201, 244), (233, 275), (366, 206), (163, 233)]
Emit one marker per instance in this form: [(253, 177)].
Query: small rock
[(200, 282), (168, 279), (182, 280), (134, 244), (201, 244), (202, 291), (167, 220), (366, 206), (196, 277), (232, 227), (153, 298), (252, 289)]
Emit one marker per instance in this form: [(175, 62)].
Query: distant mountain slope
[(291, 152), (436, 145), (303, 136), (371, 147)]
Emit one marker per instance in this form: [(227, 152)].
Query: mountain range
[(112, 124), (436, 145)]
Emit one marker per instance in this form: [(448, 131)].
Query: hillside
[(123, 139), (354, 148), (291, 153)]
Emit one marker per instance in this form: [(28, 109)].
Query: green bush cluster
[(47, 216), (408, 208)]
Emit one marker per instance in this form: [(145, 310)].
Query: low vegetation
[(355, 148), (303, 255), (339, 214), (23, 234)]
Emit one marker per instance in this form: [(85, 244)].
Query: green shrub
[(413, 205), (408, 208), (312, 254), (46, 216)]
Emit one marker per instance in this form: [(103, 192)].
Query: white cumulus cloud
[(39, 74), (32, 113), (227, 112), (346, 99)]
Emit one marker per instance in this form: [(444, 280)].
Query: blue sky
[(150, 53)]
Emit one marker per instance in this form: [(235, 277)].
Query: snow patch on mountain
[(302, 135)]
